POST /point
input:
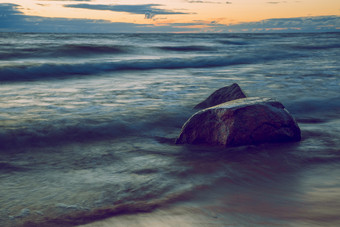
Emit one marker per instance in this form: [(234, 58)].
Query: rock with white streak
[(241, 122)]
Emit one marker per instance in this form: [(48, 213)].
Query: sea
[(88, 124)]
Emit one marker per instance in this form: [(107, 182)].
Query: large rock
[(222, 95), (241, 122)]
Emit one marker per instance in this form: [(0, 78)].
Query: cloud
[(149, 10), (9, 8), (10, 17), (149, 15), (12, 20), (297, 24)]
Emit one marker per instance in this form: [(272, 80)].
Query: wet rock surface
[(241, 122), (222, 95)]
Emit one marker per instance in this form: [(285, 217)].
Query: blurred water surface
[(88, 122)]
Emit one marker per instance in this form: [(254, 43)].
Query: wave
[(77, 216), (228, 42), (57, 70), (41, 135), (8, 168), (91, 49), (56, 132), (315, 46), (185, 48), (312, 107), (67, 50)]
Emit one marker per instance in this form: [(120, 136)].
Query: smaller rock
[(222, 95), (241, 122)]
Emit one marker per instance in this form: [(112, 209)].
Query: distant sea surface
[(88, 123)]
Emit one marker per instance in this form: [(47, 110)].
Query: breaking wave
[(186, 48), (36, 135), (316, 46), (66, 50), (57, 70), (87, 130)]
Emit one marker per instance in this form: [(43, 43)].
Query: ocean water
[(88, 123)]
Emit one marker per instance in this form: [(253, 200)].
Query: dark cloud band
[(149, 10)]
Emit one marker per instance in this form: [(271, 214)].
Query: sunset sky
[(170, 16)]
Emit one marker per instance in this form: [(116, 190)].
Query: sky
[(178, 16)]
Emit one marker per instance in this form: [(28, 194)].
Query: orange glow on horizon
[(216, 11)]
